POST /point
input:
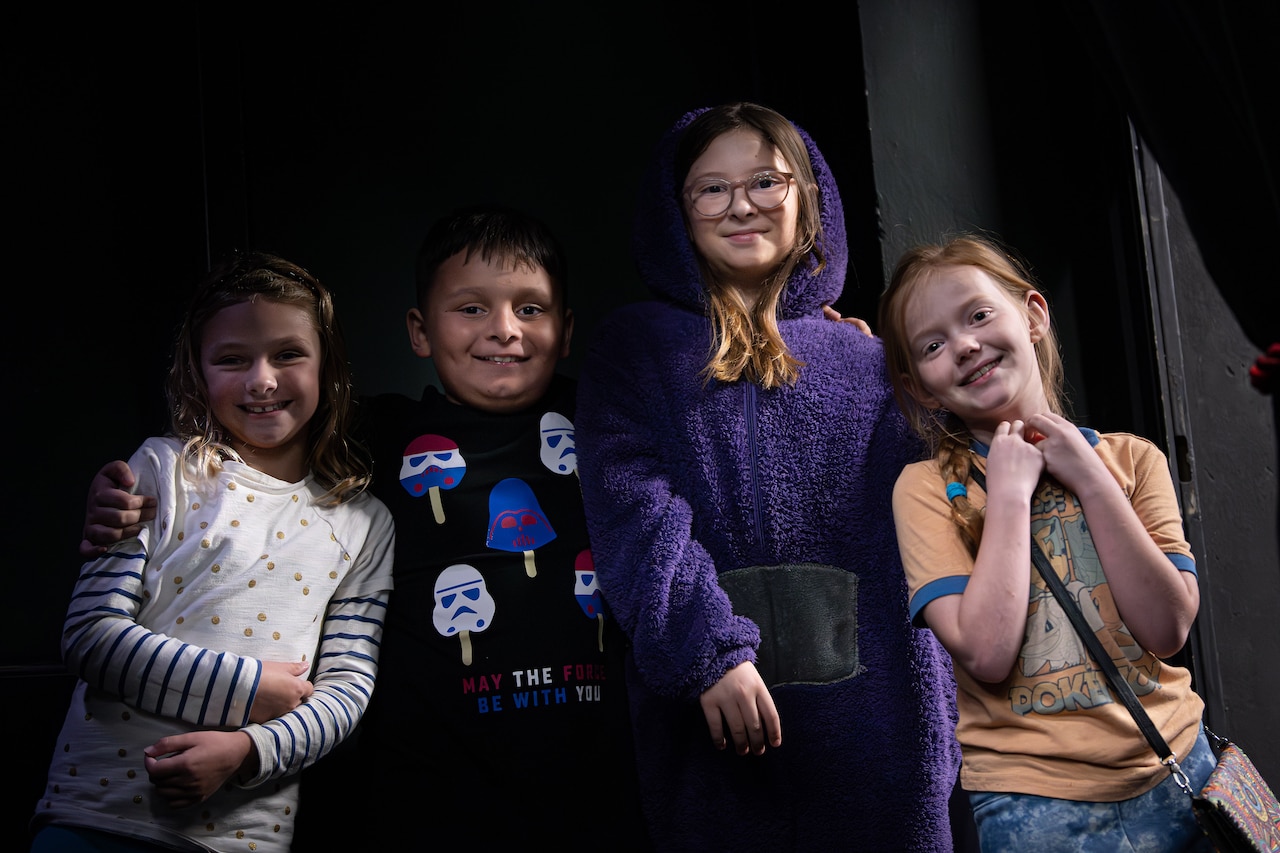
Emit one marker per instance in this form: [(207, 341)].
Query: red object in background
[(1263, 373)]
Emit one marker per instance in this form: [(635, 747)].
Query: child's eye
[(471, 309), (982, 314), (529, 310)]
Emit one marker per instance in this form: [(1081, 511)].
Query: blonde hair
[(336, 460), (745, 341), (946, 435)]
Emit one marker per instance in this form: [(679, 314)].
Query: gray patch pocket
[(807, 614)]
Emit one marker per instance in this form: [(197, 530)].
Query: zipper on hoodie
[(753, 459)]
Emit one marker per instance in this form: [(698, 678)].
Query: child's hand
[(1014, 463), (741, 702), (1068, 456), (112, 513), (186, 769), (857, 322), (282, 688)]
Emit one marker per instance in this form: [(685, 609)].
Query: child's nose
[(739, 201), (505, 325), (262, 380), (964, 347)]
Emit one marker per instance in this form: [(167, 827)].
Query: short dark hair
[(493, 232)]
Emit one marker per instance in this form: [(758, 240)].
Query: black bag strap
[(1119, 687)]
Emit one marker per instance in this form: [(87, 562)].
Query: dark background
[(139, 145)]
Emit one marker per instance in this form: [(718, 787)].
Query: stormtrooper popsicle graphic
[(559, 450), (587, 589), (432, 463), (516, 522), (463, 605)]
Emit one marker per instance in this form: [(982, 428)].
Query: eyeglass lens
[(766, 190)]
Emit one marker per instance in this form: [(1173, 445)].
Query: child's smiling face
[(746, 243), (261, 362), (973, 347), (495, 332)]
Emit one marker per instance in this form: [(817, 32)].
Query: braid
[(954, 463)]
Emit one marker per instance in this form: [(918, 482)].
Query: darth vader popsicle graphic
[(431, 463), (516, 522), (586, 588), (463, 605), (559, 450)]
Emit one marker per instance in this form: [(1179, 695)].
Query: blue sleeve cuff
[(1182, 563), (953, 585)]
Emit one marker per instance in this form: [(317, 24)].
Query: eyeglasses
[(712, 196)]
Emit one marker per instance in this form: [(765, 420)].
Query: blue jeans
[(1159, 821)]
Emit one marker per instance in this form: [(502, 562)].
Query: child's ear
[(417, 327), (1037, 314), (568, 333)]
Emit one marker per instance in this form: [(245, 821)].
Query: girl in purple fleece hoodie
[(738, 452)]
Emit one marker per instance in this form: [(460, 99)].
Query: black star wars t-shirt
[(500, 684)]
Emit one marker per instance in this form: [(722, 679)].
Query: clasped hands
[(186, 769)]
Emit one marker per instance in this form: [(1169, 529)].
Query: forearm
[(1156, 600), (991, 617), (105, 645), (661, 583), (346, 672)]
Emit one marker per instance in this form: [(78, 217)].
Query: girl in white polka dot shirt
[(234, 641)]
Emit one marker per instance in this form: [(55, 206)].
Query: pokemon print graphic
[(432, 463), (559, 450), (586, 588), (516, 522), (463, 605), (1052, 653)]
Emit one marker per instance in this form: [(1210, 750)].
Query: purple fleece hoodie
[(781, 497)]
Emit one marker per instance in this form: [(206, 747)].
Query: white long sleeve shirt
[(167, 634)]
